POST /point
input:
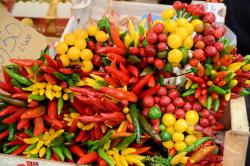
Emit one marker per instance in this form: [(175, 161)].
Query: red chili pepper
[(22, 95), (113, 82), (95, 118), (133, 80), (119, 94), (124, 69), (4, 134), (236, 89), (195, 79), (119, 58), (51, 62), (8, 110), (114, 116), (151, 82), (33, 104), (38, 126), (26, 62), (83, 99), (13, 118), (150, 21), (21, 135), (63, 84), (215, 96), (132, 69), (52, 109), (221, 75), (41, 78), (77, 150), (218, 126), (101, 162), (66, 71), (50, 79), (200, 71), (116, 38), (204, 91), (54, 122), (47, 69), (80, 136), (9, 88), (118, 74), (142, 150), (243, 75), (197, 93), (73, 127), (98, 132), (88, 158), (22, 124), (87, 92), (15, 142), (55, 156), (221, 83), (20, 149), (59, 62), (99, 73), (79, 106), (203, 99), (139, 85), (23, 72), (108, 49), (150, 91), (7, 78), (110, 106), (172, 152), (33, 113), (113, 65)]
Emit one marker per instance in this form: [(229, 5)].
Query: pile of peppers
[(59, 112)]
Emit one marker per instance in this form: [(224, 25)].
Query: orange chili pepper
[(33, 113), (200, 71), (142, 150), (38, 126)]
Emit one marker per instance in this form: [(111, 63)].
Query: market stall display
[(143, 96)]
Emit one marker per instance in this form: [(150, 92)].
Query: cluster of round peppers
[(104, 99)]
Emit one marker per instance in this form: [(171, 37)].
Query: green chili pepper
[(29, 132), (216, 105), (134, 113), (10, 100), (3, 104), (133, 59), (48, 153), (223, 68), (126, 142), (70, 82), (15, 83), (145, 43), (194, 86), (208, 60), (12, 149), (196, 144), (57, 142), (162, 54), (13, 67), (141, 30), (3, 127), (102, 82), (107, 26), (30, 147), (58, 150), (168, 68), (105, 157), (216, 89), (244, 92), (60, 104), (12, 131), (37, 97), (209, 102), (5, 146), (194, 70), (208, 69), (105, 138), (147, 70), (161, 80), (71, 97), (131, 44), (146, 126), (101, 24), (70, 109), (75, 77), (67, 153), (69, 136), (106, 61), (188, 92), (61, 76), (216, 150), (33, 155), (212, 76), (35, 67), (122, 36), (21, 79)]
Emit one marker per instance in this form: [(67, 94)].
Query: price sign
[(18, 40)]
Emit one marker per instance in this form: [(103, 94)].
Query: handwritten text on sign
[(18, 40)]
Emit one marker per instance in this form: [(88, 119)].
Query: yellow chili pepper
[(74, 115), (107, 145), (247, 81), (110, 152), (80, 125), (68, 119), (46, 136), (80, 83), (39, 144), (227, 96), (29, 71), (88, 126), (128, 151), (51, 131), (184, 160), (48, 86), (125, 110), (177, 158), (134, 160), (129, 118), (233, 83), (123, 161), (143, 22), (136, 39), (57, 94), (29, 100), (116, 156), (236, 66), (31, 140), (34, 151), (96, 77), (59, 132), (48, 93), (42, 85), (131, 28), (104, 128), (46, 143), (41, 92), (42, 152), (188, 84), (56, 88), (246, 67), (67, 90), (127, 40), (65, 96), (122, 125), (35, 92), (139, 157)]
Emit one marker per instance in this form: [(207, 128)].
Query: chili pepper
[(75, 149), (52, 109), (150, 91), (19, 78), (51, 62), (105, 157), (16, 83), (194, 70), (118, 74), (202, 153), (139, 85), (37, 97), (209, 102), (151, 82), (12, 149), (189, 92), (218, 126), (123, 69), (26, 62), (119, 58), (88, 158), (108, 49), (30, 147), (244, 92), (33, 113), (60, 104), (13, 118), (119, 94), (12, 101), (15, 142), (3, 127), (8, 110), (196, 144), (113, 82), (20, 149), (87, 92), (38, 126), (47, 69), (29, 132), (110, 106), (197, 93), (73, 127), (147, 71), (70, 82), (150, 21), (134, 113), (67, 153), (75, 77), (142, 150), (7, 78), (5, 146), (100, 143), (126, 142), (58, 150), (69, 136), (57, 142), (146, 126), (12, 131), (200, 71), (194, 86), (218, 90), (133, 59), (33, 104), (35, 67), (23, 123), (48, 153), (106, 61), (61, 76), (66, 71), (132, 69), (80, 136), (115, 36), (22, 95), (208, 69), (216, 105), (50, 79)]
